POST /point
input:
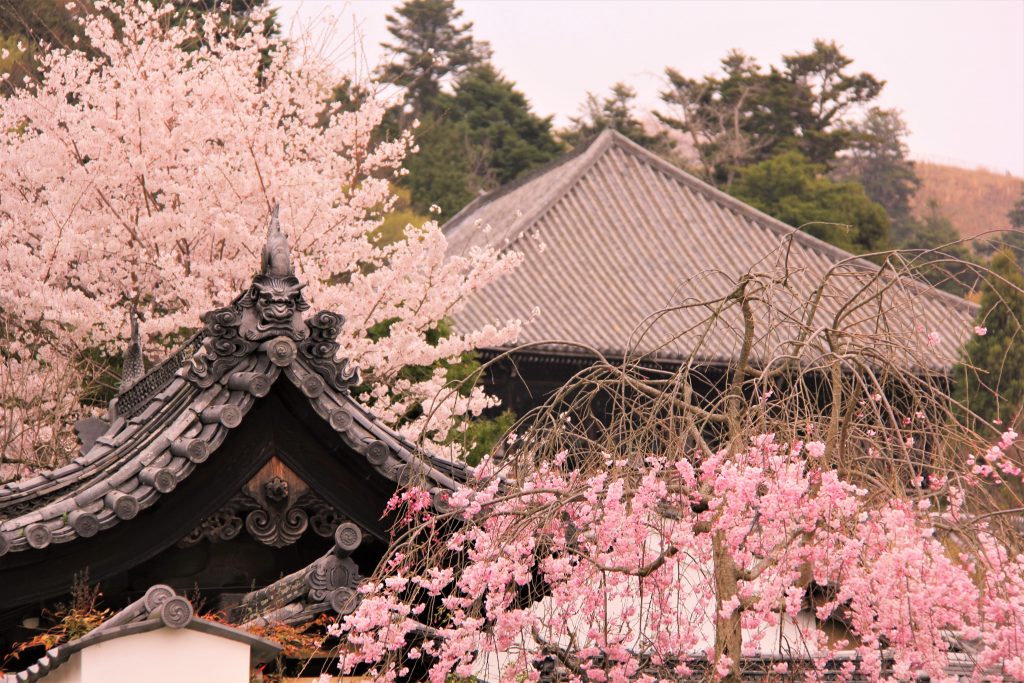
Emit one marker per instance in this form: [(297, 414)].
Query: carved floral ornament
[(275, 507)]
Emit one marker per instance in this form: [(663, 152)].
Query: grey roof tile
[(113, 489), (176, 421), (626, 235)]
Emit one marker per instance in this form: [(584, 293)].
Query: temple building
[(240, 472), (612, 235)]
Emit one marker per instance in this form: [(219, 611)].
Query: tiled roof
[(158, 608), (171, 431), (612, 234)]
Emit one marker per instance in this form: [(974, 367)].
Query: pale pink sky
[(955, 69)]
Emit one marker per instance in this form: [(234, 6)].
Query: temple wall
[(161, 656)]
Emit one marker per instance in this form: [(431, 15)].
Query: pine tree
[(429, 49), (615, 111), (878, 160), (500, 123), (1016, 214), (483, 136), (748, 114)]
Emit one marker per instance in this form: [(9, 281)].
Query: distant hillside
[(976, 201)]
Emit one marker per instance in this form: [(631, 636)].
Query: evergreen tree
[(500, 123), (747, 115), (878, 160), (430, 47), (990, 383), (1016, 214), (798, 192), (443, 172), (825, 91), (615, 111), (731, 120), (483, 136)]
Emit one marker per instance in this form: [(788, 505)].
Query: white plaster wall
[(161, 656), (68, 672)]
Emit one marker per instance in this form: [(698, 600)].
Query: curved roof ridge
[(245, 348), (583, 158), (152, 463)]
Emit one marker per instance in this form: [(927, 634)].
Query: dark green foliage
[(706, 110), (499, 122), (1016, 214), (797, 192), (474, 138), (483, 434), (878, 160), (824, 92), (480, 434), (349, 96), (429, 48), (485, 137), (747, 115), (990, 383), (616, 112), (443, 172), (1012, 239)]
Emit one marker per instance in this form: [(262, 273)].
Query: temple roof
[(611, 234), (167, 424)]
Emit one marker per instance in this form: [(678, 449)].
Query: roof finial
[(276, 259), (134, 367)]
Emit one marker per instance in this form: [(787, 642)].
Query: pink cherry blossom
[(143, 171), (621, 564)]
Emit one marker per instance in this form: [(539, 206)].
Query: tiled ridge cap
[(145, 462)]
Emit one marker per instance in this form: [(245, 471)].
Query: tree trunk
[(728, 635)]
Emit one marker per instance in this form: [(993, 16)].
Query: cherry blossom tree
[(814, 510), (142, 173)]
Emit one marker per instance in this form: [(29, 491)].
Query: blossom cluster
[(140, 171), (622, 574)]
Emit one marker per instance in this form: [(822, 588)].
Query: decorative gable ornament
[(268, 317), (246, 442), (164, 426)]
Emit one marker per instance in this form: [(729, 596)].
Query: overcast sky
[(955, 69)]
